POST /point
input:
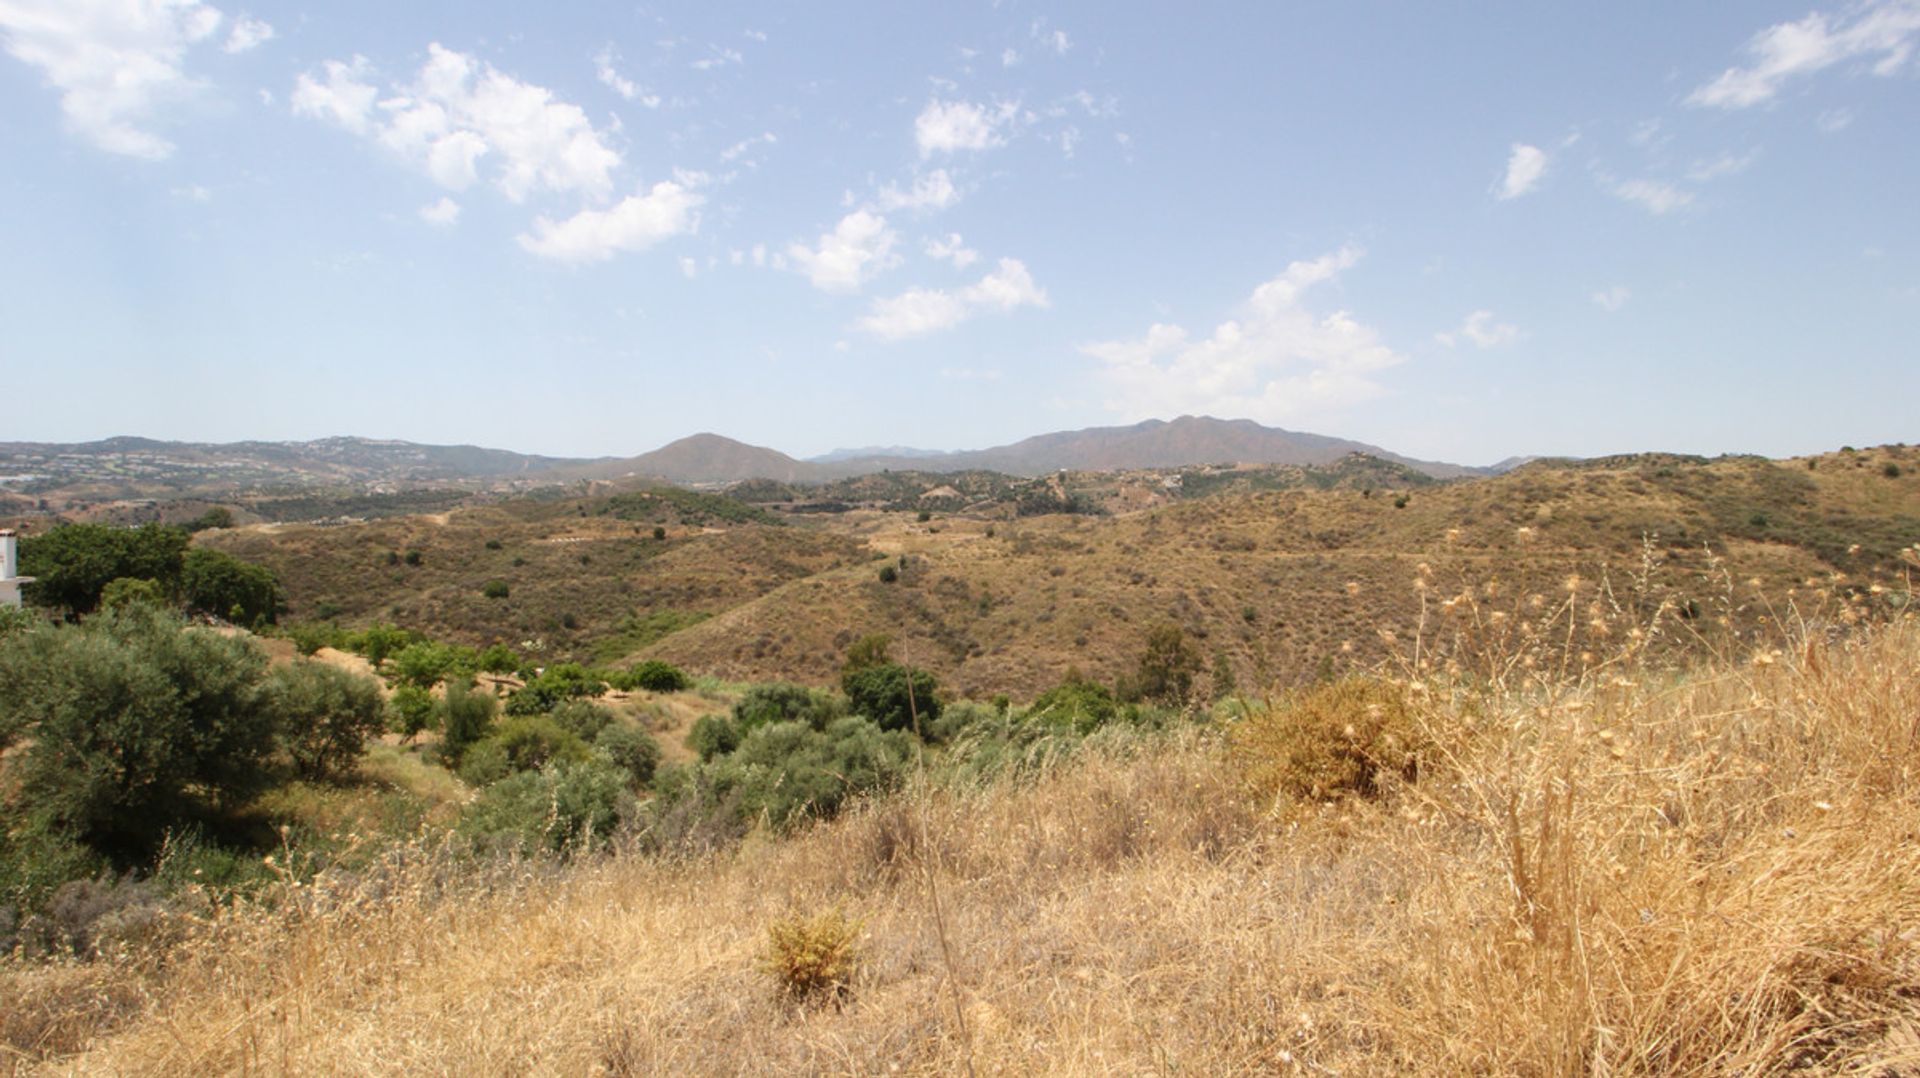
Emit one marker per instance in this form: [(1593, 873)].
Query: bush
[(888, 574), (1891, 471), (125, 590), (813, 958), (1077, 702), (325, 715), (653, 675), (495, 589), (498, 659), (564, 806), (581, 718), (1166, 670), (465, 717), (74, 563), (544, 691), (785, 702), (220, 584), (1334, 741), (633, 750), (423, 664), (132, 721), (892, 695), (410, 710), (713, 735), (520, 744), (787, 771), (310, 636)]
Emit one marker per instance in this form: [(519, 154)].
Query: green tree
[(870, 650), (465, 717), (124, 590), (73, 563), (410, 710), (132, 723), (224, 586), (325, 715), (892, 695), (1167, 667), (1077, 702)]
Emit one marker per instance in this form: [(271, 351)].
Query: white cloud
[(859, 247), (719, 57), (1525, 165), (952, 249), (1009, 57), (442, 213), (932, 191), (1834, 120), (1612, 299), (635, 223), (746, 145), (193, 192), (947, 126), (612, 79), (1480, 330), (247, 33), (919, 311), (1654, 196), (1727, 164), (1280, 361), (460, 113), (1884, 30), (116, 63)]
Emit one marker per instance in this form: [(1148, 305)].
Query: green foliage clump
[(465, 717), (713, 735), (325, 715), (638, 630), (126, 590), (1078, 702), (410, 710), (544, 691), (785, 702), (889, 574), (526, 743), (1166, 669), (226, 587), (893, 696), (788, 771), (495, 589), (497, 658), (379, 640), (631, 749), (73, 563), (426, 663), (1337, 740), (310, 636), (566, 806), (581, 718), (653, 675), (131, 722)]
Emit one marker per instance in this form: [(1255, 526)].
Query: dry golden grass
[(1627, 872)]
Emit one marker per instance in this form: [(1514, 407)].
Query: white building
[(10, 580)]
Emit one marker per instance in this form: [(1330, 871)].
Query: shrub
[(784, 702), (131, 720), (412, 558), (325, 715), (1166, 669), (813, 958), (494, 544), (581, 718), (465, 717), (520, 744), (495, 589), (888, 574), (653, 675), (310, 636), (423, 664), (633, 750), (659, 532), (869, 650), (497, 659), (713, 735), (122, 591), (1338, 740), (226, 587), (893, 696), (545, 690), (788, 771), (1077, 702), (1891, 471), (410, 710), (567, 805)]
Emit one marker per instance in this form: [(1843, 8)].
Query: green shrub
[(495, 589), (226, 587), (410, 710), (543, 692), (519, 744), (893, 696), (465, 717), (786, 771), (423, 664), (713, 735), (125, 590), (310, 636), (785, 702), (562, 807), (1338, 740), (325, 715), (581, 718), (1166, 668), (131, 721), (1891, 470), (497, 659), (633, 750), (888, 574), (1077, 702), (653, 675)]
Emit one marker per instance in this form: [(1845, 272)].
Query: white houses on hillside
[(10, 580)]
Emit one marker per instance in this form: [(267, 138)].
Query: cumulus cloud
[(1281, 360), (1654, 196), (1525, 166), (859, 247), (1612, 299), (116, 63), (1480, 330), (1884, 32), (442, 213), (920, 311), (247, 33), (951, 248), (932, 191), (948, 126), (635, 223), (460, 114)]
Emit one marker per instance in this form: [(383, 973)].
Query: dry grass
[(1628, 872)]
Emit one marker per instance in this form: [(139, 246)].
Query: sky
[(1461, 232)]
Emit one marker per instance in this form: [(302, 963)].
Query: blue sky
[(591, 228)]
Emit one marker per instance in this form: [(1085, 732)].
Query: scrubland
[(1529, 843)]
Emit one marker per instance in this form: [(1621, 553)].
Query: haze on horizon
[(1461, 235)]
